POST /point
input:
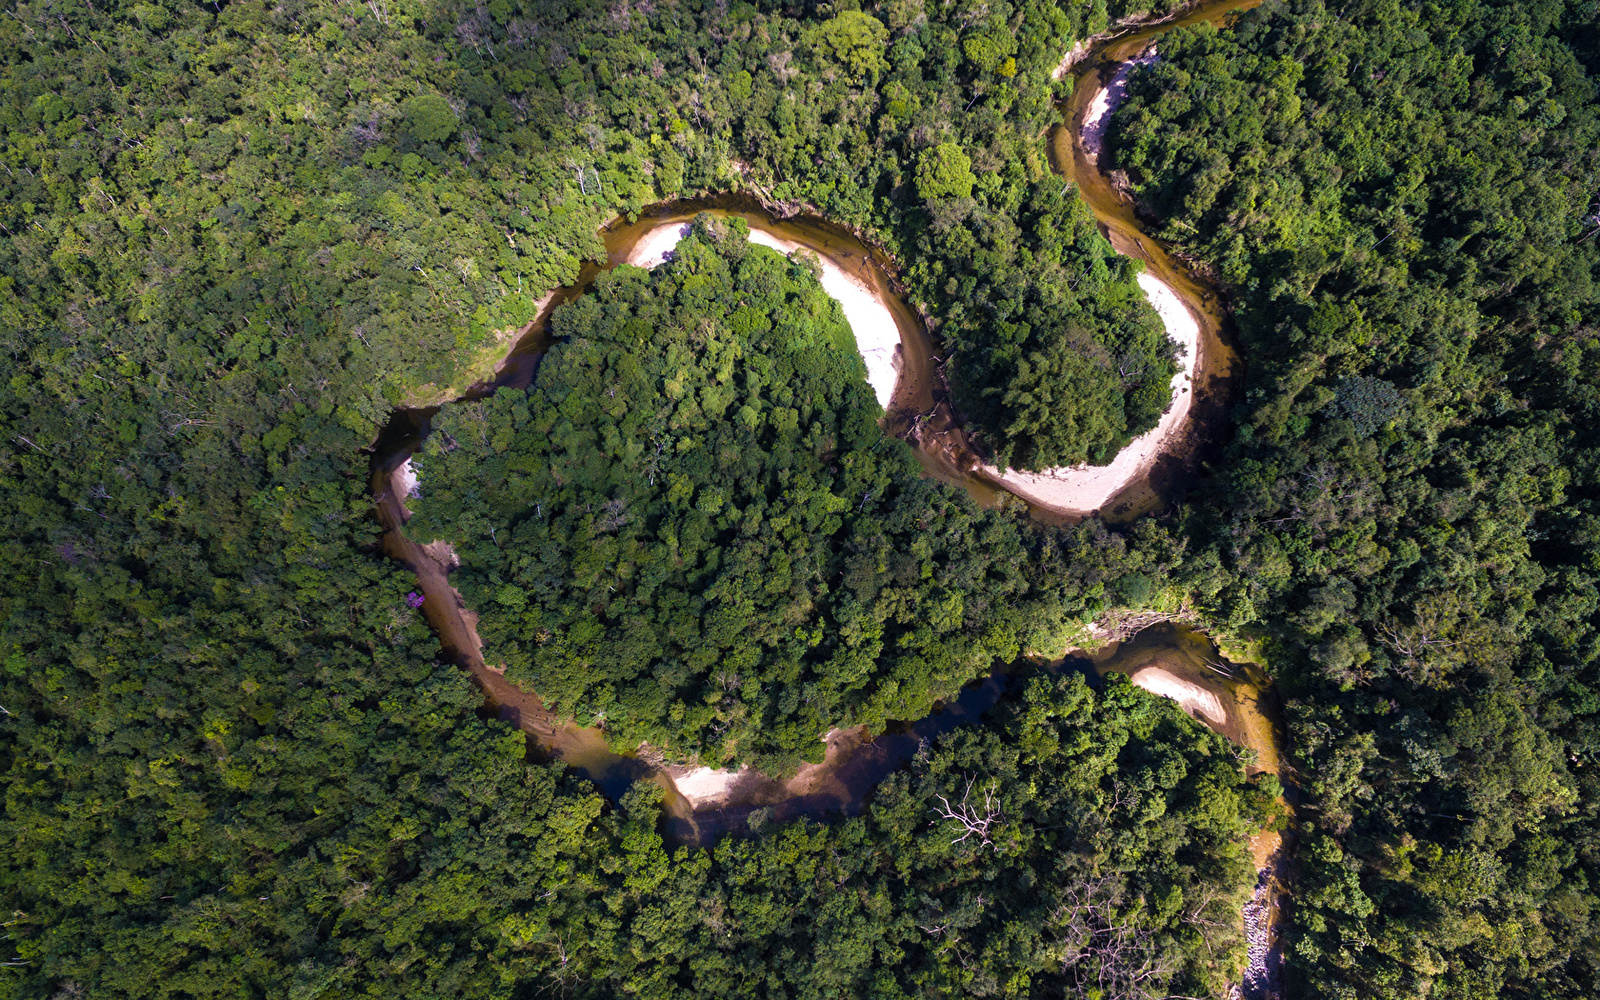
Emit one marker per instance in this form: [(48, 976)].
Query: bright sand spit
[(877, 336), (1105, 101), (1194, 698), (1090, 487), (705, 785)]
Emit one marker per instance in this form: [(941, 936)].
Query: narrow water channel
[(1170, 659)]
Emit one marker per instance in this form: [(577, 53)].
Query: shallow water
[(1218, 369), (1248, 701)]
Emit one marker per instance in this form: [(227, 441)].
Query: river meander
[(1171, 659)]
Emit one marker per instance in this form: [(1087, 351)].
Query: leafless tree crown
[(973, 819)]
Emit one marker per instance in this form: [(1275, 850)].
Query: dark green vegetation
[(329, 187), (1106, 850), (693, 528), (207, 172), (1082, 841), (1403, 200), (233, 235)]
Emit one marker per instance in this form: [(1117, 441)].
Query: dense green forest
[(693, 530), (1402, 200), (234, 236), (337, 186), (1083, 841)]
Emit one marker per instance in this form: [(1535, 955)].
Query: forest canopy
[(234, 237), (693, 529), (1401, 199), (333, 186)]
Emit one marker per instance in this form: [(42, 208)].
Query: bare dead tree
[(973, 819), (613, 515), (655, 459), (1411, 641), (565, 977), (1104, 949), (1122, 796)]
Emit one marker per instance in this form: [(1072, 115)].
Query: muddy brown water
[(856, 761), (1218, 369)]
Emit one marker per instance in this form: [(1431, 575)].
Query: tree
[(430, 118), (853, 40), (944, 171)]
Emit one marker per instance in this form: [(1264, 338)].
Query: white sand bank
[(706, 785), (1089, 487), (1105, 101), (406, 481), (877, 336), (1194, 698), (655, 246)]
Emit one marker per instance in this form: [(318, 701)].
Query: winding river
[(1170, 658)]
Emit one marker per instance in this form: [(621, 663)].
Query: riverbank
[(1142, 27), (902, 366), (1092, 133)]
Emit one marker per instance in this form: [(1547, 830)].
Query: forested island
[(240, 240), (694, 529)]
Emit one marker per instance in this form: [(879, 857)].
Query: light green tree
[(853, 40), (944, 171)]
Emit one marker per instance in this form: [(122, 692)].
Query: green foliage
[(429, 118), (855, 41), (1062, 389), (1096, 863), (938, 156), (1369, 403), (1402, 198), (694, 530), (944, 171), (234, 238)]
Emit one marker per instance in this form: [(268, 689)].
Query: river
[(1170, 659)]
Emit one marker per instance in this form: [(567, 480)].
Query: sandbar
[(705, 785), (1195, 699), (1095, 118)]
